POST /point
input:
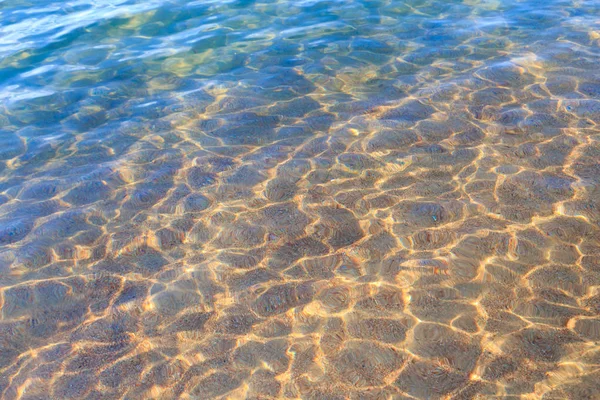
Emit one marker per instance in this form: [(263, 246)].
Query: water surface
[(299, 199)]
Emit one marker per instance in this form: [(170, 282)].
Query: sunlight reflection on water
[(316, 200)]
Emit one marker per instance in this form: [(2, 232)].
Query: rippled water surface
[(299, 199)]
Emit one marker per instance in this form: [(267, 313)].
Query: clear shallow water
[(315, 200)]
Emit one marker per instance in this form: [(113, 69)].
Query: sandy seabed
[(393, 200)]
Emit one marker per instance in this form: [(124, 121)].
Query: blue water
[(304, 200)]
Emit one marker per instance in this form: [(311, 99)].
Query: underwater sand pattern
[(301, 200)]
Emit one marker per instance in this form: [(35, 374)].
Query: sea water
[(360, 199)]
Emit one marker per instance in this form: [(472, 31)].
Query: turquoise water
[(303, 200)]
